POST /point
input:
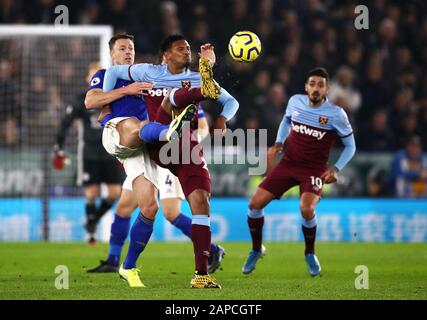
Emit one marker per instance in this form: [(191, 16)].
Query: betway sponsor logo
[(158, 92), (301, 128)]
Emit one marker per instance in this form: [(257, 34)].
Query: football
[(244, 46)]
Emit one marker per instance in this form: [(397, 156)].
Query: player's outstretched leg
[(176, 125), (182, 97), (210, 88), (153, 131)]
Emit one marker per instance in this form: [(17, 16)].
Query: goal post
[(103, 33), (42, 71)]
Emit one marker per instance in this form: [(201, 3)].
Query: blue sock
[(214, 248), (183, 223), (119, 232), (140, 234), (153, 132)]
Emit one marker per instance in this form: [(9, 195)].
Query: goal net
[(42, 70)]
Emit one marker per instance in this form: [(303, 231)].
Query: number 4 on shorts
[(168, 180)]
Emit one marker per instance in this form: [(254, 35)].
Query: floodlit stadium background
[(379, 76)]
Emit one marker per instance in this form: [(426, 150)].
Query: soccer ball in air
[(244, 46)]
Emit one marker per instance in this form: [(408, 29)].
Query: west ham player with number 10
[(310, 124)]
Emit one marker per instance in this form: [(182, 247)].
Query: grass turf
[(396, 271)]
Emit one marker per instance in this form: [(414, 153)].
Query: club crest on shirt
[(186, 83), (323, 120), (95, 81)]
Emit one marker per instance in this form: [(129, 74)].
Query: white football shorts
[(111, 141), (169, 186), (136, 162)]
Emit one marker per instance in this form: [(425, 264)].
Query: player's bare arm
[(96, 98), (230, 107), (220, 124), (203, 128)]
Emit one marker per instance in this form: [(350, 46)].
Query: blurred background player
[(311, 124), (171, 195), (95, 166), (409, 170)]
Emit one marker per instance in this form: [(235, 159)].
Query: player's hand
[(273, 151), (330, 175), (59, 158), (105, 110), (220, 125), (207, 52), (272, 159), (136, 88)]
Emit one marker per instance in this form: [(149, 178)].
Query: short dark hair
[(113, 40), (320, 72), (167, 42)]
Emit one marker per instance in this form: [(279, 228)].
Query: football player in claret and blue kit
[(310, 126), (188, 89)]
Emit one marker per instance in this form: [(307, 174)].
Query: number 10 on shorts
[(316, 182)]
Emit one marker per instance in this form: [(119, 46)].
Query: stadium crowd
[(378, 75)]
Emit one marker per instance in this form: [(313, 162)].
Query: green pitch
[(396, 271)]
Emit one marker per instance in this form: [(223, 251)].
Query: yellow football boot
[(205, 281), (175, 126), (131, 276), (210, 88)]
